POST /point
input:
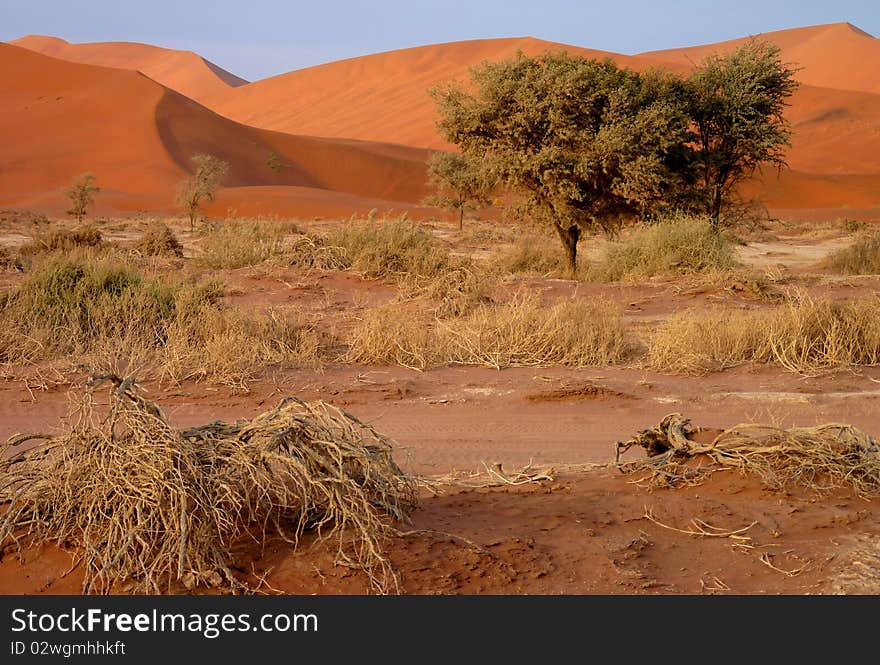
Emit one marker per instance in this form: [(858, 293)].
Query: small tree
[(458, 184), (201, 185), (581, 142), (81, 194), (736, 103)]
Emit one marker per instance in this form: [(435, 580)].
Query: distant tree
[(201, 185), (582, 143), (458, 184), (275, 163), (81, 194), (736, 102)]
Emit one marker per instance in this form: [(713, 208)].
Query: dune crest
[(184, 71)]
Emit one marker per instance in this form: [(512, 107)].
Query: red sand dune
[(381, 97), (59, 119), (836, 55), (184, 71), (834, 159)]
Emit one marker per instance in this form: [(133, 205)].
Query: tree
[(582, 143), (201, 185), (459, 185), (81, 194), (736, 102)]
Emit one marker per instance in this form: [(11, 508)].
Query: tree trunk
[(715, 212), (461, 218), (570, 237)]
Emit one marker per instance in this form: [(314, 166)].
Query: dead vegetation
[(530, 254), (519, 333), (821, 458), (105, 313), (46, 241), (151, 508), (677, 246), (862, 257), (397, 248), (158, 240), (236, 243), (804, 335)]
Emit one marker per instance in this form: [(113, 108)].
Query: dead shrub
[(158, 508), (820, 458), (158, 240)]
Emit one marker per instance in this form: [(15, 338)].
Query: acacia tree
[(736, 102), (581, 142), (81, 194), (201, 185), (458, 184)]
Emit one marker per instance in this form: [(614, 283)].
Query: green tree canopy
[(736, 102), (458, 184), (581, 142)]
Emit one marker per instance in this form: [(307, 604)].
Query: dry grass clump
[(862, 257), (106, 313), (241, 243), (821, 458), (703, 341), (158, 240), (804, 335), (228, 347), (8, 261), (680, 245), (523, 332), (395, 334), (531, 254), (520, 333), (70, 306), (422, 267), (391, 249), (313, 253), (63, 240), (151, 507)]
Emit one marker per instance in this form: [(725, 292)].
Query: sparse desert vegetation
[(862, 257), (413, 339), (680, 245)]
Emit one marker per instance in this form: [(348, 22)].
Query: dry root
[(152, 507), (822, 458)]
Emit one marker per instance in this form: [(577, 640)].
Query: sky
[(259, 38)]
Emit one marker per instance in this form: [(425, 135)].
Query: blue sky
[(259, 38)]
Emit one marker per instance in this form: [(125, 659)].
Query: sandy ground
[(584, 532)]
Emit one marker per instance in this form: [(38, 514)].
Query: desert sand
[(139, 156), (584, 531), (381, 100), (352, 137)]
